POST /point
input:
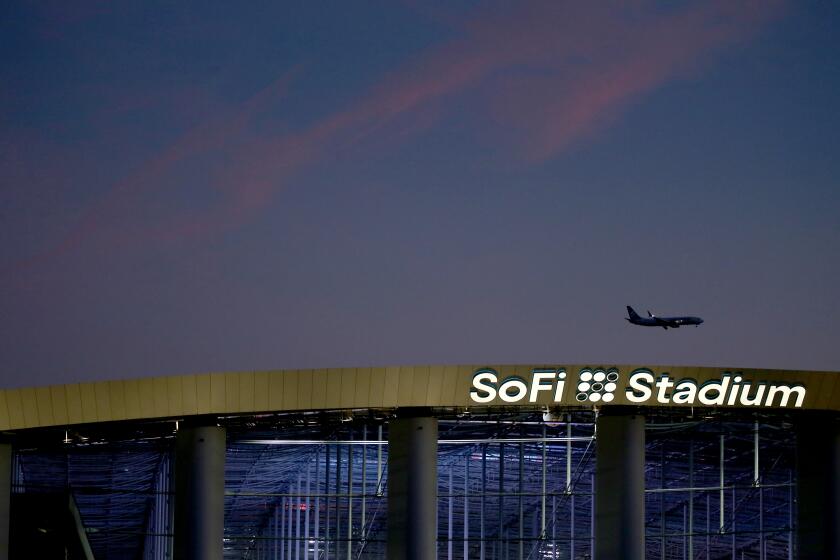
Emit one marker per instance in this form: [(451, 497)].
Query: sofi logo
[(729, 390), (598, 385), (486, 386), (595, 386)]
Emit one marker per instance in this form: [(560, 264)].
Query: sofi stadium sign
[(642, 386)]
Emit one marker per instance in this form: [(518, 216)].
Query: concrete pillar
[(199, 493), (620, 486), (818, 488), (5, 497), (412, 486)]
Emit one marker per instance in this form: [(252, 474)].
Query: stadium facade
[(488, 462)]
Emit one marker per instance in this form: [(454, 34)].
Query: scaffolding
[(511, 486)]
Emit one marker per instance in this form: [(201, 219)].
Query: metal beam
[(818, 488), (412, 487), (620, 486), (5, 497), (199, 493)]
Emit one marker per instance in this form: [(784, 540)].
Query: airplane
[(653, 321)]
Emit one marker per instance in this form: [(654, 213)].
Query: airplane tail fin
[(632, 313)]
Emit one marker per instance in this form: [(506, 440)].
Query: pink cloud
[(569, 100), (554, 73)]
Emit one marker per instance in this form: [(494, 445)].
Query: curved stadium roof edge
[(375, 387)]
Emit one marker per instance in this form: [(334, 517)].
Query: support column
[(620, 486), (5, 497), (412, 486), (818, 488), (199, 493)]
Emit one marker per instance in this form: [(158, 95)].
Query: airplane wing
[(666, 322)]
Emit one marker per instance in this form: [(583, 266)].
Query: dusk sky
[(225, 186)]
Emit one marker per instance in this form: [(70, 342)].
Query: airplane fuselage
[(664, 322), (672, 322)]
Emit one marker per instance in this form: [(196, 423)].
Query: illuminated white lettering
[(537, 384), (519, 387), (558, 392), (719, 389), (639, 386), (484, 386), (785, 392), (733, 394), (663, 385), (685, 392), (756, 398)]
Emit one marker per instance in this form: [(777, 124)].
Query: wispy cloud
[(553, 73)]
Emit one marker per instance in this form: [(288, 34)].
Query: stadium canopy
[(516, 461)]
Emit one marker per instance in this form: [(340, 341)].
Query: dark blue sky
[(309, 184)]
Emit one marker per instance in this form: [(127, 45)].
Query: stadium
[(514, 462)]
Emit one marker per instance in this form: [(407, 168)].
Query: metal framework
[(511, 485)]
